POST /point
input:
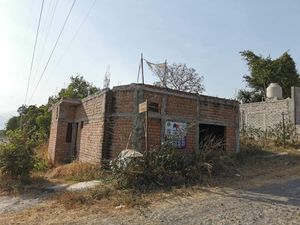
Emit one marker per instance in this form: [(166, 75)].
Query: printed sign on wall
[(176, 131)]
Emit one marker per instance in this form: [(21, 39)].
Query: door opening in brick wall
[(210, 131), (75, 153), (69, 133)]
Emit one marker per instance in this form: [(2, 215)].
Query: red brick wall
[(182, 107), (90, 136), (59, 150), (110, 118), (191, 138), (122, 127), (62, 153), (230, 139), (123, 101), (210, 112), (154, 133)]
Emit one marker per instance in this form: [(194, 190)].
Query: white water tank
[(274, 91)]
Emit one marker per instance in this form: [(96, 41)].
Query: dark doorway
[(75, 153), (208, 131)]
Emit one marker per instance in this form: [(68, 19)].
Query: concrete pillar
[(138, 130)]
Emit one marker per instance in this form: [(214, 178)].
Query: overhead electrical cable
[(53, 49), (76, 33), (46, 33), (34, 49)]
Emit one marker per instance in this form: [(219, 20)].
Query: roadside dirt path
[(268, 196), (277, 203)]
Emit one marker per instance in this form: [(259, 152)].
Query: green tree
[(264, 70), (35, 122), (78, 88), (13, 123), (246, 96), (17, 156)]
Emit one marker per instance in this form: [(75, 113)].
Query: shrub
[(284, 134), (16, 156), (280, 134), (166, 166)]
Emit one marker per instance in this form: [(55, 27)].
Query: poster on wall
[(176, 131)]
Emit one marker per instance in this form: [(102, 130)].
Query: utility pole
[(143, 108), (142, 66)]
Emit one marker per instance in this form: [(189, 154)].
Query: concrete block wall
[(265, 115), (295, 95)]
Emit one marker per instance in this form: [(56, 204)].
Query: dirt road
[(277, 203), (262, 196)]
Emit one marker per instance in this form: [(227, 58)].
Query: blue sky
[(205, 34)]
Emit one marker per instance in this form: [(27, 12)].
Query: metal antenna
[(106, 83)]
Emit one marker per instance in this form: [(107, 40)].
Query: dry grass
[(257, 164), (76, 171), (101, 195), (42, 151)]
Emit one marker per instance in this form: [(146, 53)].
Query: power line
[(76, 33), (26, 38), (46, 33), (54, 47), (34, 48)]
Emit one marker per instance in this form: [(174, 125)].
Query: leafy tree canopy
[(179, 77), (264, 70), (78, 88), (13, 123), (35, 122)]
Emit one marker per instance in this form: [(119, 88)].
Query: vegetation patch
[(76, 171), (166, 167)]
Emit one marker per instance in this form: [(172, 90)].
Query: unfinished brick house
[(98, 127)]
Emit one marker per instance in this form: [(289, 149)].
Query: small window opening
[(81, 125), (153, 107)]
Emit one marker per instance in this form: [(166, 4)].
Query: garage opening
[(208, 132)]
